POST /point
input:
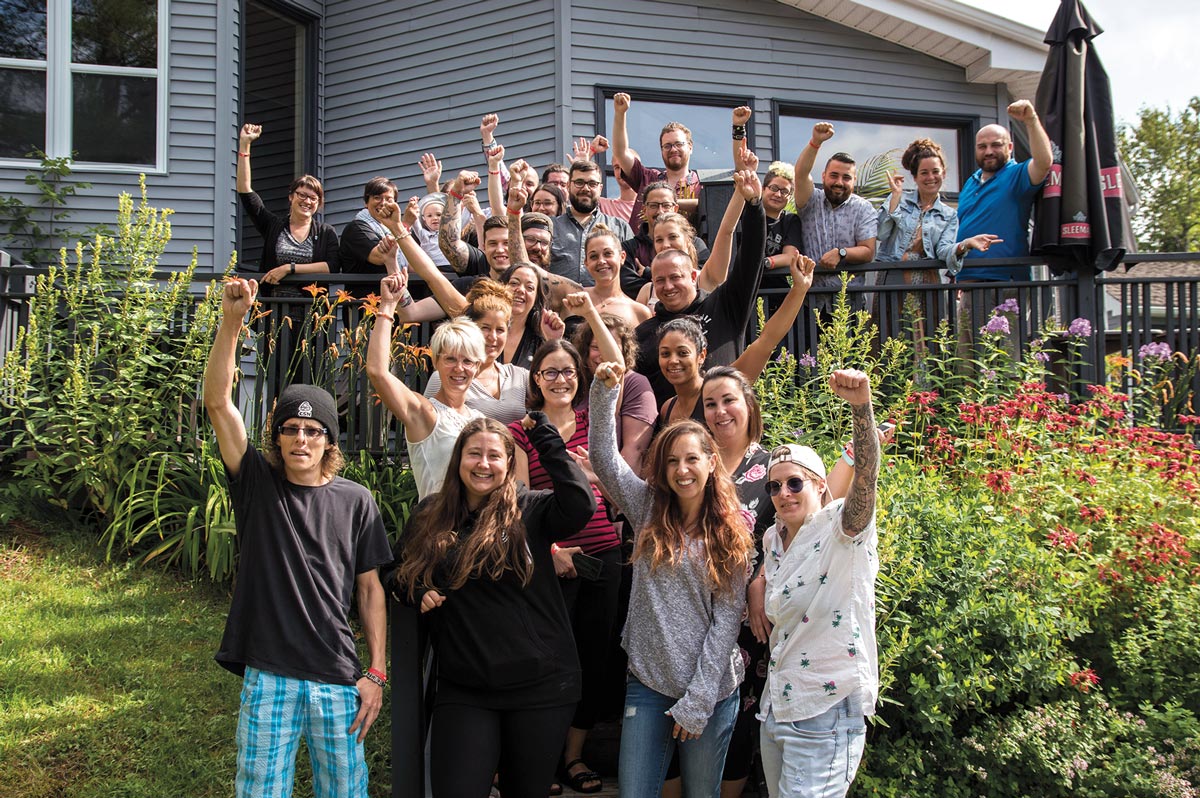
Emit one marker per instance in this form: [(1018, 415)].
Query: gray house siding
[(189, 186), (756, 47), (387, 100)]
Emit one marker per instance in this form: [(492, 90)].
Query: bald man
[(997, 199)]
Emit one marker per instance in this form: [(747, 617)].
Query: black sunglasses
[(794, 485)]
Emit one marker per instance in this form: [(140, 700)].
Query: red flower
[(1084, 680)]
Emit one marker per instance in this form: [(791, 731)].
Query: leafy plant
[(35, 228)]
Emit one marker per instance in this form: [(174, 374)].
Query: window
[(708, 117), (876, 140), (86, 79)]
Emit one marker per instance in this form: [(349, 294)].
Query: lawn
[(108, 688)]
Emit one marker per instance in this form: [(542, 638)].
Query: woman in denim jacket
[(916, 225)]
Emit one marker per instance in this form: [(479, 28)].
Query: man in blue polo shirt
[(997, 199)]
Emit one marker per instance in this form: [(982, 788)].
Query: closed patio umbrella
[(1081, 213)]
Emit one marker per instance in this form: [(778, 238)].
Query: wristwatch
[(842, 253)]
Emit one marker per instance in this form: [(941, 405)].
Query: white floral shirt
[(821, 600)]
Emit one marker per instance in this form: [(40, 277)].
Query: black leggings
[(593, 610), (469, 744)]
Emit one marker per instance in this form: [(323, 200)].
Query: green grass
[(108, 688)]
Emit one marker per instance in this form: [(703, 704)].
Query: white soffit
[(989, 48)]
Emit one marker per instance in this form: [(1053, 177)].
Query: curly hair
[(331, 462), (487, 296), (620, 329), (728, 542), (918, 151), (432, 554)]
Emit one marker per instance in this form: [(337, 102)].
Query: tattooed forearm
[(449, 239), (860, 501), (516, 240)]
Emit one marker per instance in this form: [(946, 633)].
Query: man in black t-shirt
[(309, 541)]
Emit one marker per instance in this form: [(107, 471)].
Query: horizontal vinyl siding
[(760, 48), (188, 186), (422, 80)]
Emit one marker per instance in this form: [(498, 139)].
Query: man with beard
[(675, 141), (997, 199), (838, 226), (572, 227), (724, 313)]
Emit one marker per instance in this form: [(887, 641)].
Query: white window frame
[(59, 69)]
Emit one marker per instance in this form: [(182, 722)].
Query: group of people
[(588, 460)]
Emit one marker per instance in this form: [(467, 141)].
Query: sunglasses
[(794, 485), (292, 431)]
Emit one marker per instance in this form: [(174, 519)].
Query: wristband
[(514, 211), (454, 194), (406, 299), (243, 154), (848, 454), (739, 132), (377, 676), (816, 145), (554, 548), (293, 268), (493, 172)]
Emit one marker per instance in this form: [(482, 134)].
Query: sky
[(1148, 47)]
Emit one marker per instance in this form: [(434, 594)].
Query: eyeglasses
[(306, 197), (293, 431), (794, 485), (674, 145), (658, 205), (531, 241), (586, 183), (552, 375), (784, 190)]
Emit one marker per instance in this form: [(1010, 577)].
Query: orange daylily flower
[(315, 290)]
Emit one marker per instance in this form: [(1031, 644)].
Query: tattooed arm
[(449, 240), (859, 509)]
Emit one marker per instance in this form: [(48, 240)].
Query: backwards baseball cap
[(436, 198), (802, 456), (307, 401)]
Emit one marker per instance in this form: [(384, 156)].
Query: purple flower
[(989, 375), (1007, 306), (1155, 351), (806, 360), (1080, 328), (996, 325), (1041, 357)]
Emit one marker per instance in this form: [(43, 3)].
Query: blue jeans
[(647, 745), (815, 757)]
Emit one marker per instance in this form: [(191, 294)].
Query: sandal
[(585, 781)]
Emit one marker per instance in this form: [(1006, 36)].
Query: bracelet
[(243, 154), (377, 676), (739, 132), (554, 548), (816, 145), (406, 299), (406, 235), (514, 211), (454, 194), (293, 268), (493, 172)]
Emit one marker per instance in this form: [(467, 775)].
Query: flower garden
[(1039, 595)]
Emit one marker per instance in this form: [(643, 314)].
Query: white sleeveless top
[(430, 457)]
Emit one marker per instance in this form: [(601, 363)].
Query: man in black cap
[(309, 540)]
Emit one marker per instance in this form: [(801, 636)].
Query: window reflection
[(114, 118), (22, 112), (115, 32), (709, 125), (23, 32), (869, 143)]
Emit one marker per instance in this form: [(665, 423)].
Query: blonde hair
[(460, 336)]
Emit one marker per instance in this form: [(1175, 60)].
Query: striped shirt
[(599, 534)]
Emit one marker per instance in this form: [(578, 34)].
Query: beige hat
[(803, 456)]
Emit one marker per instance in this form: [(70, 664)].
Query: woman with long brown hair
[(692, 548), (476, 556)]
